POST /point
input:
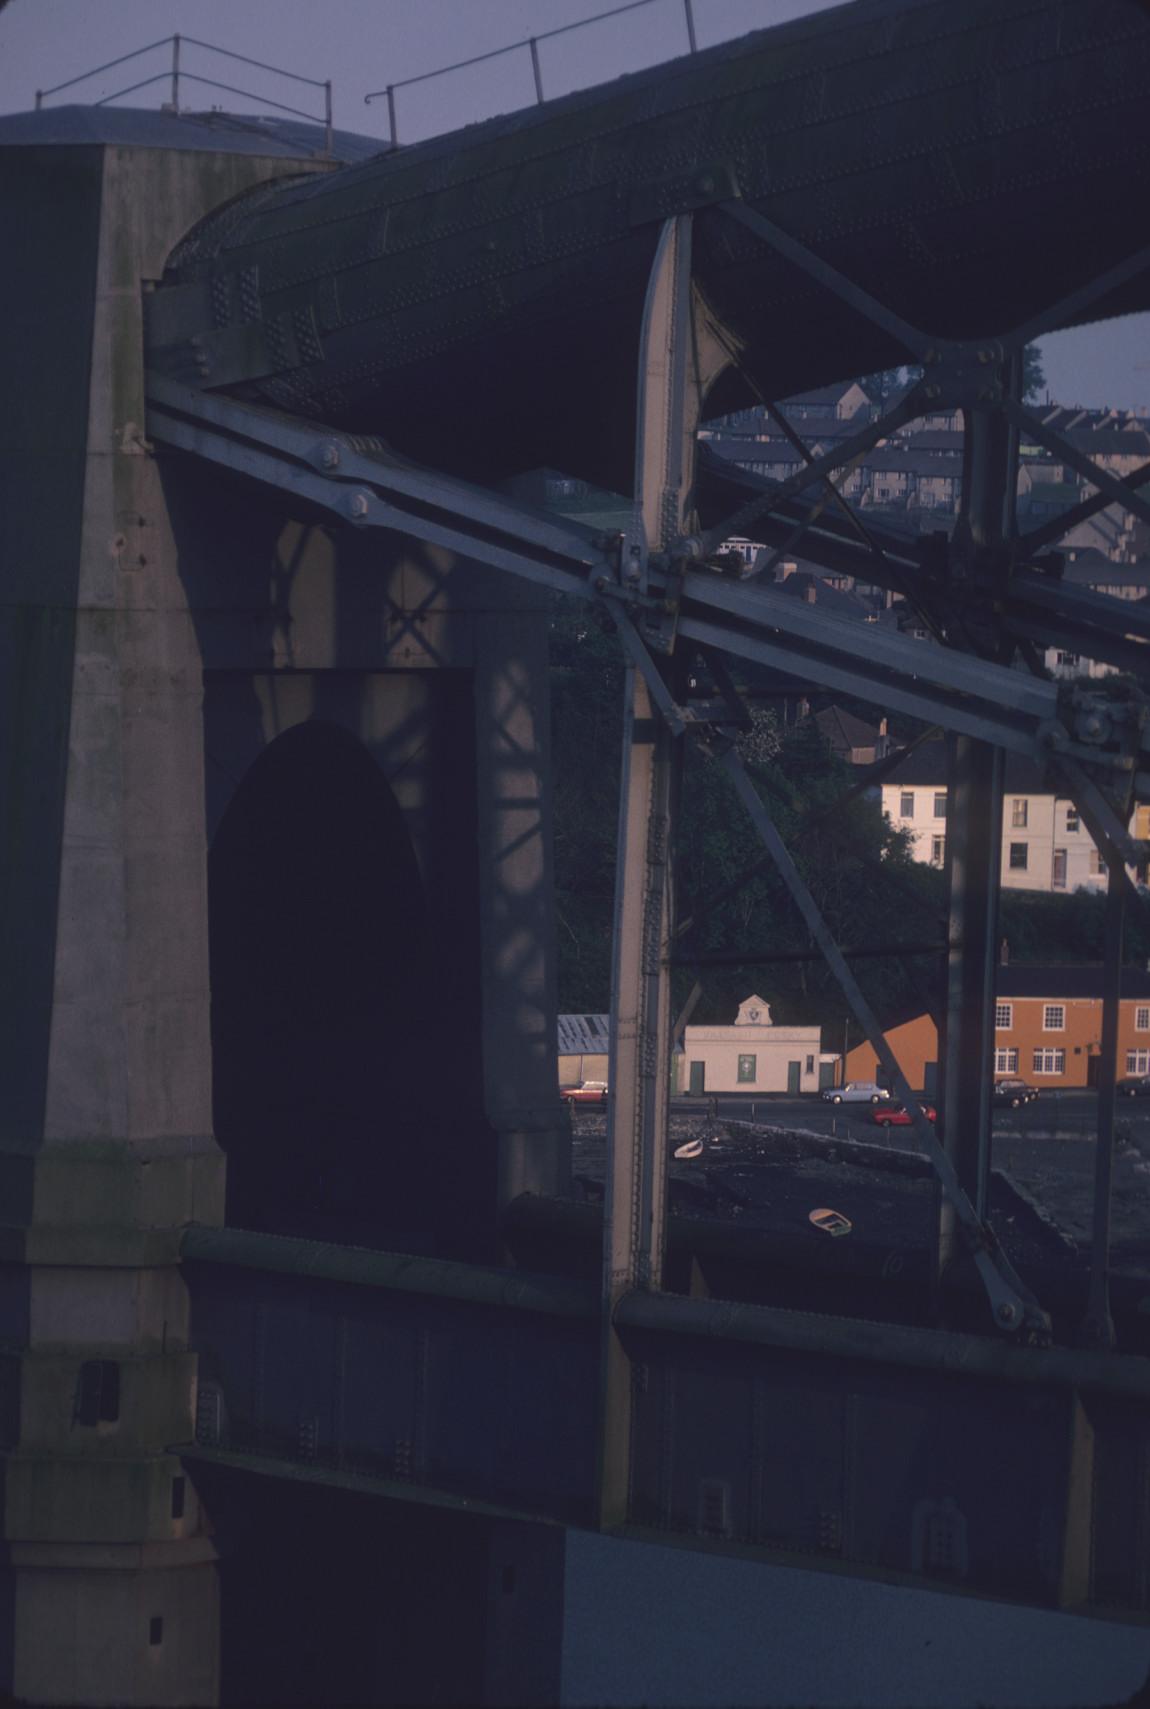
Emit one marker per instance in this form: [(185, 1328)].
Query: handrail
[(531, 44), (175, 73)]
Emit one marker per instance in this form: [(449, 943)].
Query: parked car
[(1013, 1092), (588, 1092), (894, 1114), (856, 1092), (1134, 1086)]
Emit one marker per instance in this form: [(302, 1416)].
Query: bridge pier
[(122, 662)]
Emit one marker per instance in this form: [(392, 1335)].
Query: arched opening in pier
[(322, 1033)]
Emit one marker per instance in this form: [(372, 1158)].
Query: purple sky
[(363, 45)]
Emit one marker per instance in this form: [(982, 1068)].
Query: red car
[(590, 1092), (897, 1115)]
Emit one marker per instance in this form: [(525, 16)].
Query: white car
[(857, 1092)]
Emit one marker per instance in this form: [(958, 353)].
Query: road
[(1070, 1115), (1047, 1148)]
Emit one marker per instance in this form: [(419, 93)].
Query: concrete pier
[(159, 631)]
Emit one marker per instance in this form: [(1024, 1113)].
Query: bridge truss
[(986, 595)]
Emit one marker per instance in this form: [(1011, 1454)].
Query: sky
[(363, 45)]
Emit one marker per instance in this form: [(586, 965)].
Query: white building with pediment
[(753, 1055)]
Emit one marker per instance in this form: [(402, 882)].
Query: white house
[(753, 1055), (1045, 846)]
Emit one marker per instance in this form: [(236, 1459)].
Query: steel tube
[(398, 1272), (522, 246), (938, 1350), (1097, 1329)]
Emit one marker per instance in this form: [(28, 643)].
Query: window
[(1004, 1016), (1050, 1062), (1006, 1062), (1142, 1019), (1069, 659), (98, 1392), (1018, 857), (1018, 814), (810, 1064), (1138, 1062), (747, 1067), (1097, 864), (1072, 818), (1058, 870), (906, 804), (940, 804), (937, 850), (1054, 1017)]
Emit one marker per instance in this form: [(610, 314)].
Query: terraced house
[(1045, 845), (1048, 1030)]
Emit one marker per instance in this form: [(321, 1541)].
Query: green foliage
[(857, 865), (1033, 378)]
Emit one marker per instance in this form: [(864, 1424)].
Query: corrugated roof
[(580, 1035)]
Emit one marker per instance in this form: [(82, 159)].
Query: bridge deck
[(874, 1448)]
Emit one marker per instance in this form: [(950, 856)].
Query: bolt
[(329, 456), (357, 506), (1006, 1312)]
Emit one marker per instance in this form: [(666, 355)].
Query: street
[(1069, 1115)]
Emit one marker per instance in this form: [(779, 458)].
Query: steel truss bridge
[(605, 1397)]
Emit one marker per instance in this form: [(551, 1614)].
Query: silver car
[(857, 1092)]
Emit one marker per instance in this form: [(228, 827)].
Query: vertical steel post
[(1097, 1327), (974, 839), (393, 129), (633, 1233), (535, 70), (39, 99), (327, 125), (175, 74), (692, 43), (974, 833)]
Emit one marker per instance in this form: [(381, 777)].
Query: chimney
[(882, 727), (786, 568), (809, 593)]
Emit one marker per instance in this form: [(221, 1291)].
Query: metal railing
[(175, 72), (531, 46)]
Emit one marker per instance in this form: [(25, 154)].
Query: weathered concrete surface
[(171, 644), (105, 1091)]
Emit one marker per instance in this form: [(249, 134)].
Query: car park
[(894, 1114), (856, 1092), (1134, 1086), (1013, 1092), (587, 1092)]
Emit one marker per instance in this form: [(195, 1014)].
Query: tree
[(1033, 378)]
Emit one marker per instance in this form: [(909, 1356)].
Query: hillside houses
[(914, 479), (1045, 845), (918, 469)]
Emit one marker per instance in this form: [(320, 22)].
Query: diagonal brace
[(1014, 1307)]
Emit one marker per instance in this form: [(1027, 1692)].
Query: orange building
[(915, 1044), (1048, 1030)]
